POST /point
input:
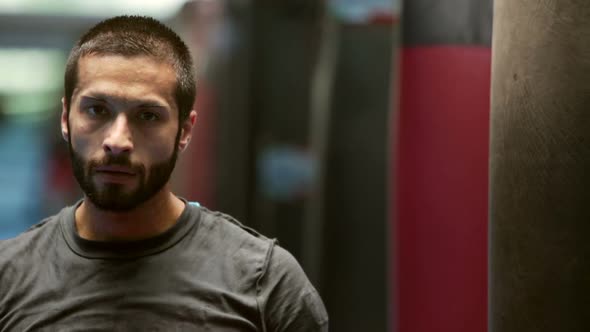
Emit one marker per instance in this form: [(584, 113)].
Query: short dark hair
[(136, 36)]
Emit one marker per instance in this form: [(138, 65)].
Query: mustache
[(116, 160)]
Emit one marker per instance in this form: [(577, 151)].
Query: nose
[(118, 137)]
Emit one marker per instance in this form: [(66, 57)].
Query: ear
[(64, 119), (187, 130)]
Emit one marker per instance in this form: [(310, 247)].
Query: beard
[(114, 196)]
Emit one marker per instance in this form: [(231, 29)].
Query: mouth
[(115, 174), (115, 170)]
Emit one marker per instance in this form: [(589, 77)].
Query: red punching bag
[(441, 153)]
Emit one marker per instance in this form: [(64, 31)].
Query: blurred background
[(354, 131)]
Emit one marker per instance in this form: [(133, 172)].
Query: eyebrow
[(103, 98)]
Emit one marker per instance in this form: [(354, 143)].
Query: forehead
[(125, 77)]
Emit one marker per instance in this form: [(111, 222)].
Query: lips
[(115, 174), (115, 170)]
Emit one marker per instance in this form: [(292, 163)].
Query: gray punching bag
[(540, 166)]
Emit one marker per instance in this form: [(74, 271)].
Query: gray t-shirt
[(206, 273)]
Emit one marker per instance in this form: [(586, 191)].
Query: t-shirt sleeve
[(288, 302)]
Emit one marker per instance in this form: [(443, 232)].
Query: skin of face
[(122, 129)]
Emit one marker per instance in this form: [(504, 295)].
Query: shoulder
[(19, 255), (23, 242), (34, 240), (288, 300), (278, 263), (231, 248), (227, 230)]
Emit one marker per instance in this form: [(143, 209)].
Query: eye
[(97, 111), (149, 116)]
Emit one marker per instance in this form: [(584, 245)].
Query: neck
[(148, 219)]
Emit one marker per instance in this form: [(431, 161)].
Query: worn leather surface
[(540, 166)]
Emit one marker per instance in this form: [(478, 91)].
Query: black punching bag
[(540, 167)]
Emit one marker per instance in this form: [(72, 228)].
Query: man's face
[(122, 129)]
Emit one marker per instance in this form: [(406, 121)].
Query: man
[(132, 256)]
